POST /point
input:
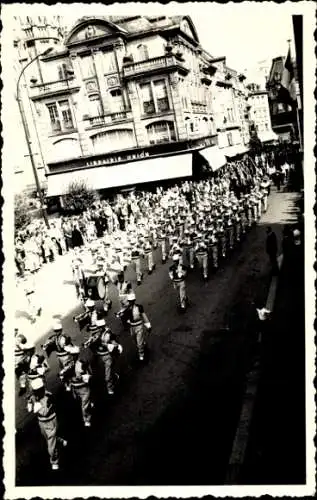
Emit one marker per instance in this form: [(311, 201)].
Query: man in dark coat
[(77, 239)]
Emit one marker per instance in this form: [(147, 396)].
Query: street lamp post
[(27, 135)]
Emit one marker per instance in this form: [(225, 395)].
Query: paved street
[(183, 405)]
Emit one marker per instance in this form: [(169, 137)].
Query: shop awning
[(125, 174), (242, 149), (214, 156), (267, 137), (232, 151)]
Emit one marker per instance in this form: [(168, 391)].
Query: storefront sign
[(116, 159), (128, 156)]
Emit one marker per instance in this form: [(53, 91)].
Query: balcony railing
[(155, 64), (99, 121), (198, 107), (40, 89)]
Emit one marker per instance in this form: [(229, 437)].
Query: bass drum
[(98, 287)]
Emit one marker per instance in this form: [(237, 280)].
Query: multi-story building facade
[(32, 35), (229, 102), (259, 113), (122, 99), (283, 116)]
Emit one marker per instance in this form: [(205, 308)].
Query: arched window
[(162, 131), (143, 52), (113, 140), (64, 149)]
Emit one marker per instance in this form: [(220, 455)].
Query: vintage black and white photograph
[(158, 234)]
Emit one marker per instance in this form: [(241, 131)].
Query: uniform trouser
[(65, 362), (109, 378), (243, 224), (150, 262), (223, 245), (49, 431), (264, 200), (79, 285), (63, 245), (154, 239), (190, 255), (259, 208), (137, 262), (163, 249), (106, 252), (139, 336), (231, 237), (110, 224), (181, 230), (255, 212), (203, 263), (181, 290), (83, 394), (238, 231), (214, 255), (250, 217), (121, 259)]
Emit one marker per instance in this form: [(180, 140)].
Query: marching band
[(193, 224)]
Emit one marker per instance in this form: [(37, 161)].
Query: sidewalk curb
[(240, 442)]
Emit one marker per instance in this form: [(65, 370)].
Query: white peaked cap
[(89, 303), (176, 257), (131, 296), (37, 383), (100, 322), (57, 326), (74, 349)]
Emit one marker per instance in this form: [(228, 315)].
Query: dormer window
[(90, 31)]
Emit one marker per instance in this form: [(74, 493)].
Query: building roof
[(130, 25), (277, 68)]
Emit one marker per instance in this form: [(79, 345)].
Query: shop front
[(128, 168)]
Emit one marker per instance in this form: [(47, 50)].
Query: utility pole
[(28, 138)]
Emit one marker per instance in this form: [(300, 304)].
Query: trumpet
[(82, 319), (66, 371), (91, 340)]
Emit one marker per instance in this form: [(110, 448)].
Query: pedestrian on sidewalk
[(278, 179), (287, 243), (271, 249), (41, 403), (263, 314)]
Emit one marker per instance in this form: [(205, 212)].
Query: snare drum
[(97, 284)]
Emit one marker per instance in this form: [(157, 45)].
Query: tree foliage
[(78, 198), (22, 216)]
